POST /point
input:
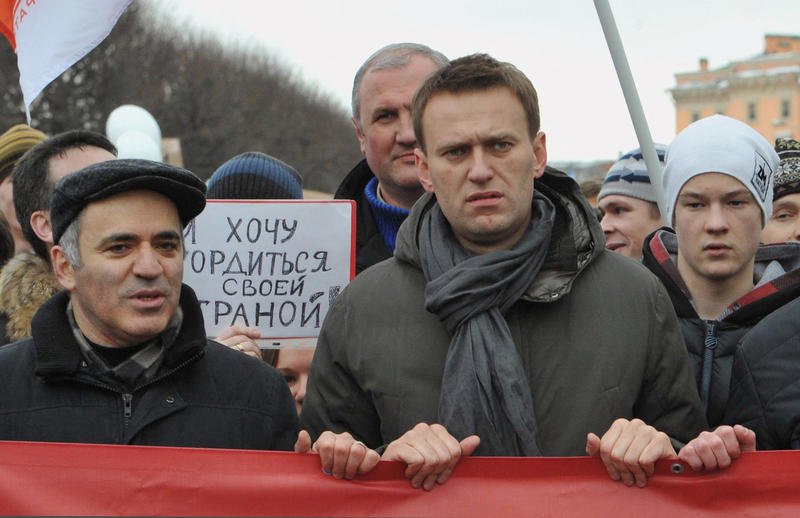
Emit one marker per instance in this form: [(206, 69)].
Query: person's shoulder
[(618, 265), (385, 275), (353, 184), (618, 273), (16, 354), (777, 334)]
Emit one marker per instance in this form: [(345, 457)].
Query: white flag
[(51, 35)]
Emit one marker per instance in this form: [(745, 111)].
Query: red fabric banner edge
[(81, 479)]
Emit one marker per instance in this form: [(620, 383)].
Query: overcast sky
[(558, 44)]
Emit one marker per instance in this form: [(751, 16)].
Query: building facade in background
[(763, 91)]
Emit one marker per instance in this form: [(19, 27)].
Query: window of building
[(695, 116), (751, 111), (786, 108)]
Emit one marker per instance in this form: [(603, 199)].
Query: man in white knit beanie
[(722, 283)]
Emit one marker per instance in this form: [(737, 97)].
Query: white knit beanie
[(720, 144)]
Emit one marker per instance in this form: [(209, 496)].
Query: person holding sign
[(258, 176), (490, 330), (252, 176)]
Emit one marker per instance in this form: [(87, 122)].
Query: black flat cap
[(98, 181)]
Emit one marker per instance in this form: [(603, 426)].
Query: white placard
[(275, 265)]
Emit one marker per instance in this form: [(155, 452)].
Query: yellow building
[(763, 91)]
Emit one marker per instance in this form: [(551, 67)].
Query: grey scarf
[(484, 387)]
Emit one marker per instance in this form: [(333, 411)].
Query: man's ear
[(540, 152), (61, 267), (423, 172), (40, 224), (360, 136)]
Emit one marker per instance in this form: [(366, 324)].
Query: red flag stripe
[(78, 479), (7, 21)]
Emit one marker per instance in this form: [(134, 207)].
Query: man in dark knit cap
[(385, 184), (120, 356), (784, 225), (255, 176)]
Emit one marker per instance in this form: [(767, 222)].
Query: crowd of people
[(493, 312)]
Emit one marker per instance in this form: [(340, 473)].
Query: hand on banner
[(629, 450), (340, 454), (717, 449), (242, 339), (430, 453)]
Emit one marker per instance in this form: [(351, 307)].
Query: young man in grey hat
[(490, 331), (120, 356), (628, 204)]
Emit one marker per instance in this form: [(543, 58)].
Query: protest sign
[(276, 265)]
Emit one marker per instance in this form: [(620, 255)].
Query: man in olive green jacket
[(501, 318)]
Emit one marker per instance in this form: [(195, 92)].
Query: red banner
[(80, 479)]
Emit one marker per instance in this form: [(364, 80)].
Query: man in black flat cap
[(121, 355)]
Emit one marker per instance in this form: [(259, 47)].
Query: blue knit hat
[(255, 176)]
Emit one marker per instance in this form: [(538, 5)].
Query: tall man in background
[(385, 184)]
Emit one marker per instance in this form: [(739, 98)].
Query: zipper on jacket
[(708, 361), (127, 405)]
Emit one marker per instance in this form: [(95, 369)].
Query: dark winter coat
[(765, 385), (204, 394), (370, 246), (596, 334), (712, 343)]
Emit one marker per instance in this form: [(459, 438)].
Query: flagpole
[(632, 100)]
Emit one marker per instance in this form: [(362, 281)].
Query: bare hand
[(430, 454), (717, 449), (242, 339), (340, 454), (629, 450)]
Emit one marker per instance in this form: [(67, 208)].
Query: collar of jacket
[(577, 238), (354, 183), (660, 255), (370, 246), (57, 353)]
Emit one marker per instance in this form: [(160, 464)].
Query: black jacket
[(712, 343), (596, 333), (765, 385), (204, 394), (370, 246)]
